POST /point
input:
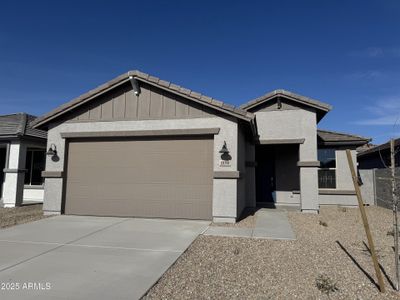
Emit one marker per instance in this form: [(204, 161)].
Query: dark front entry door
[(265, 173), (2, 166)]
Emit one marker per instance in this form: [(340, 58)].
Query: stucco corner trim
[(14, 170), (52, 174), (335, 192), (227, 174), (281, 141), (308, 163), (141, 133)]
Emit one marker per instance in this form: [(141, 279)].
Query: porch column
[(14, 174), (308, 165), (309, 188)]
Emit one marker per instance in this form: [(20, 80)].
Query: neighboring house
[(378, 157), (141, 146), (374, 165), (22, 159)]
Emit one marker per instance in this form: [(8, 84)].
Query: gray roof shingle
[(381, 147), (332, 137), (19, 125), (219, 105)]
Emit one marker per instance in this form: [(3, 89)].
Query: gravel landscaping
[(329, 253), (19, 215)]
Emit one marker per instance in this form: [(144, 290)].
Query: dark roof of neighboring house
[(329, 137), (322, 107), (382, 147), (19, 125), (143, 77)]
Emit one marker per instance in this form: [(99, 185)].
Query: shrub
[(325, 284)]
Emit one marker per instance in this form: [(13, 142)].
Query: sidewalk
[(270, 224)]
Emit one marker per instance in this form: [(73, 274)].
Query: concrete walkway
[(71, 257), (270, 224)]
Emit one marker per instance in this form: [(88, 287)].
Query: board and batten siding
[(151, 104)]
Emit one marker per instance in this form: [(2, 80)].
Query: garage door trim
[(126, 139), (142, 133)]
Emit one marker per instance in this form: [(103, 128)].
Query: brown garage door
[(163, 177)]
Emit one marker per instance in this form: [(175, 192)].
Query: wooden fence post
[(365, 222)]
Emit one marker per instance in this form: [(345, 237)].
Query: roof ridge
[(185, 91)]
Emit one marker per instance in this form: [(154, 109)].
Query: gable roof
[(19, 125), (329, 137), (321, 107), (381, 147), (143, 77)]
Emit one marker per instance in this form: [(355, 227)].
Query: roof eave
[(343, 143), (172, 88), (323, 107)]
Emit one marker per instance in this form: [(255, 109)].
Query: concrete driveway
[(73, 257)]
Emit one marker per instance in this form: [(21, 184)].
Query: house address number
[(224, 163)]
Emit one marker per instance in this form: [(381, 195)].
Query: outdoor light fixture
[(52, 150), (279, 103), (224, 149), (135, 85)]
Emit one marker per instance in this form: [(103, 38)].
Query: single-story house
[(378, 157), (145, 147), (22, 160)]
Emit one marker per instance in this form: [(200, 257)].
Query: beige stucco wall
[(33, 193), (344, 182), (345, 200), (343, 174), (368, 188), (224, 190), (295, 124)]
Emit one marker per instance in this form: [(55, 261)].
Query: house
[(141, 146), (22, 159), (378, 157)]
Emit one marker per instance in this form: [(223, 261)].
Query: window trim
[(334, 169)]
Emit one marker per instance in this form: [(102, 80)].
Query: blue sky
[(346, 53)]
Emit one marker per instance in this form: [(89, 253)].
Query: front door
[(265, 173)]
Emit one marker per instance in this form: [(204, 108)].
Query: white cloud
[(386, 111)]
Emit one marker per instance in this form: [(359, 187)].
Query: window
[(327, 171), (35, 163)]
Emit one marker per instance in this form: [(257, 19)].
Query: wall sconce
[(52, 150), (225, 156), (224, 149)]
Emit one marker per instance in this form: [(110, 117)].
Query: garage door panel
[(141, 192), (146, 178), (139, 176)]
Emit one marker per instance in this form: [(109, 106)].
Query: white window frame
[(335, 169)]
